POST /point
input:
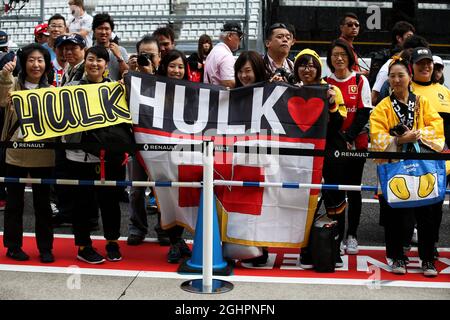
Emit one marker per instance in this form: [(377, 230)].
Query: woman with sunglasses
[(421, 124), (308, 70), (357, 98)]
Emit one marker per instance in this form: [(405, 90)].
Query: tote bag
[(413, 183)]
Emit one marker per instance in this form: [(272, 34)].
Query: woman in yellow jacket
[(420, 122)]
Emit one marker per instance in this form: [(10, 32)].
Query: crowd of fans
[(85, 50)]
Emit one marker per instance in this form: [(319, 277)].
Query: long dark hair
[(344, 45), (204, 38), (168, 58), (257, 63), (23, 55)]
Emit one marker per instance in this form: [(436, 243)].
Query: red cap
[(41, 28)]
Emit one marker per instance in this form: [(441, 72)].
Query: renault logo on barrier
[(337, 153), (15, 145), (145, 147)]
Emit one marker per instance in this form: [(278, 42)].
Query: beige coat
[(21, 157)]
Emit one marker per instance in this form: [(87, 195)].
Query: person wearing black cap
[(439, 98), (219, 65), (5, 55), (73, 47)]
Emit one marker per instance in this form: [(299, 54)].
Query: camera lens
[(143, 59)]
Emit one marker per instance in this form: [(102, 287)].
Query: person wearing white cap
[(438, 70)]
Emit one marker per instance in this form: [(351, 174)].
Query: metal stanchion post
[(207, 284)]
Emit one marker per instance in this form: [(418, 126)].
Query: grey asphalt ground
[(36, 286)]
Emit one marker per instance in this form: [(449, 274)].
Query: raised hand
[(9, 67)]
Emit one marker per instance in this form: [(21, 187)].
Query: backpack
[(378, 59)]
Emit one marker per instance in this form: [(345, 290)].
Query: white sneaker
[(55, 209), (342, 248), (414, 238), (352, 245)]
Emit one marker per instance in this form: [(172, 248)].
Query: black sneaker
[(306, 259), (429, 270), (113, 252), (134, 240), (163, 236), (46, 257), (174, 254), (435, 253), (17, 254), (89, 255), (398, 266), (184, 248), (338, 263), (260, 261)]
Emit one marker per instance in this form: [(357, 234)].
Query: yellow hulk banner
[(53, 112)]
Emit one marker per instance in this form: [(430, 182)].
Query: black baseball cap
[(3, 39), (421, 53), (74, 38), (232, 26)]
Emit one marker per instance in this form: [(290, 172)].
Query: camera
[(144, 59), (398, 130), (285, 74)]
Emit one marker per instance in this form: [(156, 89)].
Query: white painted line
[(72, 269), (176, 276), (190, 241)]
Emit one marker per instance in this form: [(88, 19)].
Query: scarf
[(405, 112)]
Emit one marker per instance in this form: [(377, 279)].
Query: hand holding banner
[(53, 112)]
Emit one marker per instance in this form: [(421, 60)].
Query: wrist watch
[(119, 60)]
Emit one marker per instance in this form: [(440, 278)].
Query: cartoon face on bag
[(409, 187)]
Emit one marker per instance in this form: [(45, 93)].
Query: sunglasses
[(351, 24)]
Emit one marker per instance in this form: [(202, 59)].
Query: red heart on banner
[(305, 113)]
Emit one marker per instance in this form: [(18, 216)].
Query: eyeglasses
[(351, 24), (307, 66), (343, 55), (57, 26)]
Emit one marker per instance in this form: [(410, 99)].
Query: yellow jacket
[(338, 100), (427, 121)]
